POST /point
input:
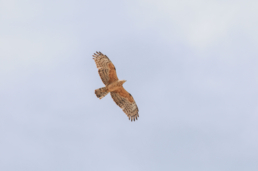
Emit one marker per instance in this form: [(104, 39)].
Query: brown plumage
[(122, 98)]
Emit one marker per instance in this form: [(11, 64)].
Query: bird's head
[(123, 81)]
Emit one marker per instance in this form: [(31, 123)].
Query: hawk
[(122, 98)]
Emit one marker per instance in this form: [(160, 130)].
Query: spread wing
[(125, 100), (106, 68)]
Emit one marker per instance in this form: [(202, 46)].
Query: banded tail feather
[(101, 92)]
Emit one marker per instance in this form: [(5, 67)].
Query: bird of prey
[(122, 98)]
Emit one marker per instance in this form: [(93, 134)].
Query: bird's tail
[(101, 92)]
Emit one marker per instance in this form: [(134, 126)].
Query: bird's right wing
[(106, 68)]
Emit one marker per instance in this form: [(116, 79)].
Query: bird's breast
[(113, 86)]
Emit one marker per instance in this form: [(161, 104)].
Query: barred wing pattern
[(125, 101), (106, 68)]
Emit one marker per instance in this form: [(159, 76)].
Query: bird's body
[(115, 85), (122, 98)]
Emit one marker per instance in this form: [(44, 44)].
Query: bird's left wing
[(125, 100)]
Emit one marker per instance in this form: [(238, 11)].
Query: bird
[(114, 86)]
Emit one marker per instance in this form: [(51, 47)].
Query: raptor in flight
[(107, 73)]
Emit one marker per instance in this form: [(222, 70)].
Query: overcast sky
[(191, 66)]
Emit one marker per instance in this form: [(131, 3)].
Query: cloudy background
[(191, 66)]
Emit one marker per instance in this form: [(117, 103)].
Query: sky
[(191, 67)]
